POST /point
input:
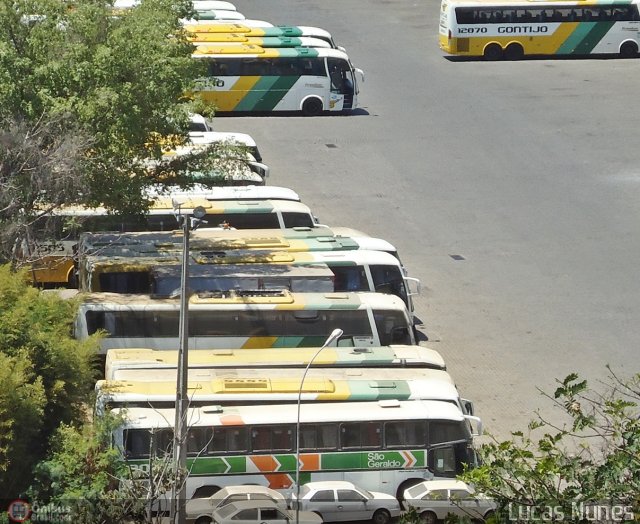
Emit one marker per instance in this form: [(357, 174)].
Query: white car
[(259, 512), (200, 509), (435, 499), (340, 501)]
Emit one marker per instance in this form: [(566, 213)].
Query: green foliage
[(86, 475), (593, 458), (82, 93), (411, 516), (46, 376)]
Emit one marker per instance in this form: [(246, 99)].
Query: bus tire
[(312, 107), (204, 520), (429, 517), (514, 52), (493, 52), (629, 50)]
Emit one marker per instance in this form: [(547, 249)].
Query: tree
[(85, 99), (586, 470), (46, 376), (86, 477)]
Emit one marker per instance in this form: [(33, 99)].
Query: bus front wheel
[(629, 50), (493, 52), (312, 107), (514, 52)]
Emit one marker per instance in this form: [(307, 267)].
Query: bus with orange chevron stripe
[(384, 445)]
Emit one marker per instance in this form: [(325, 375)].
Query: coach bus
[(250, 78), (396, 357), (383, 445), (360, 270), (513, 30), (245, 319)]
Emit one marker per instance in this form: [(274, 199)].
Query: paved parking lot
[(510, 189)]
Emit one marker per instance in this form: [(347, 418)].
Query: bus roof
[(210, 375), (253, 51), (210, 243), (277, 390), (263, 299), (190, 200), (245, 22), (235, 193), (355, 357), (214, 39), (107, 263), (535, 3), (287, 413), (243, 28)]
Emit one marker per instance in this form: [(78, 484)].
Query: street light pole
[(178, 489), (335, 335)]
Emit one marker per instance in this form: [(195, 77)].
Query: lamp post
[(178, 493), (335, 335)]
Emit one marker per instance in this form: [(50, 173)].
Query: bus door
[(342, 83)]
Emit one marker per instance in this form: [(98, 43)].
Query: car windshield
[(366, 493), (415, 491), (303, 491)]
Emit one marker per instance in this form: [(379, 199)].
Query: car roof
[(445, 484), (330, 484), (250, 504), (232, 490)]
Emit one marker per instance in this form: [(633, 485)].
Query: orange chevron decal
[(266, 463), (409, 459), (231, 420), (279, 481), (309, 462)]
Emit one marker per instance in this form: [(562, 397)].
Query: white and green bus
[(250, 78), (360, 270), (149, 361), (245, 319), (381, 445), (514, 29)]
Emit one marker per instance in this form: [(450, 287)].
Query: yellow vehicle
[(514, 29)]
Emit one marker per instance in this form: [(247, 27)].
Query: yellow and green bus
[(245, 319), (250, 78), (512, 30)]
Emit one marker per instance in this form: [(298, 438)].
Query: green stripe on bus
[(371, 460), (578, 35), (593, 37), (252, 98), (279, 89), (343, 461)]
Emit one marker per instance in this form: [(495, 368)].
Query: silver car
[(260, 512), (199, 510), (435, 499), (337, 501)]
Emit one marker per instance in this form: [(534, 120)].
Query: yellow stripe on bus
[(259, 342), (227, 100)]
